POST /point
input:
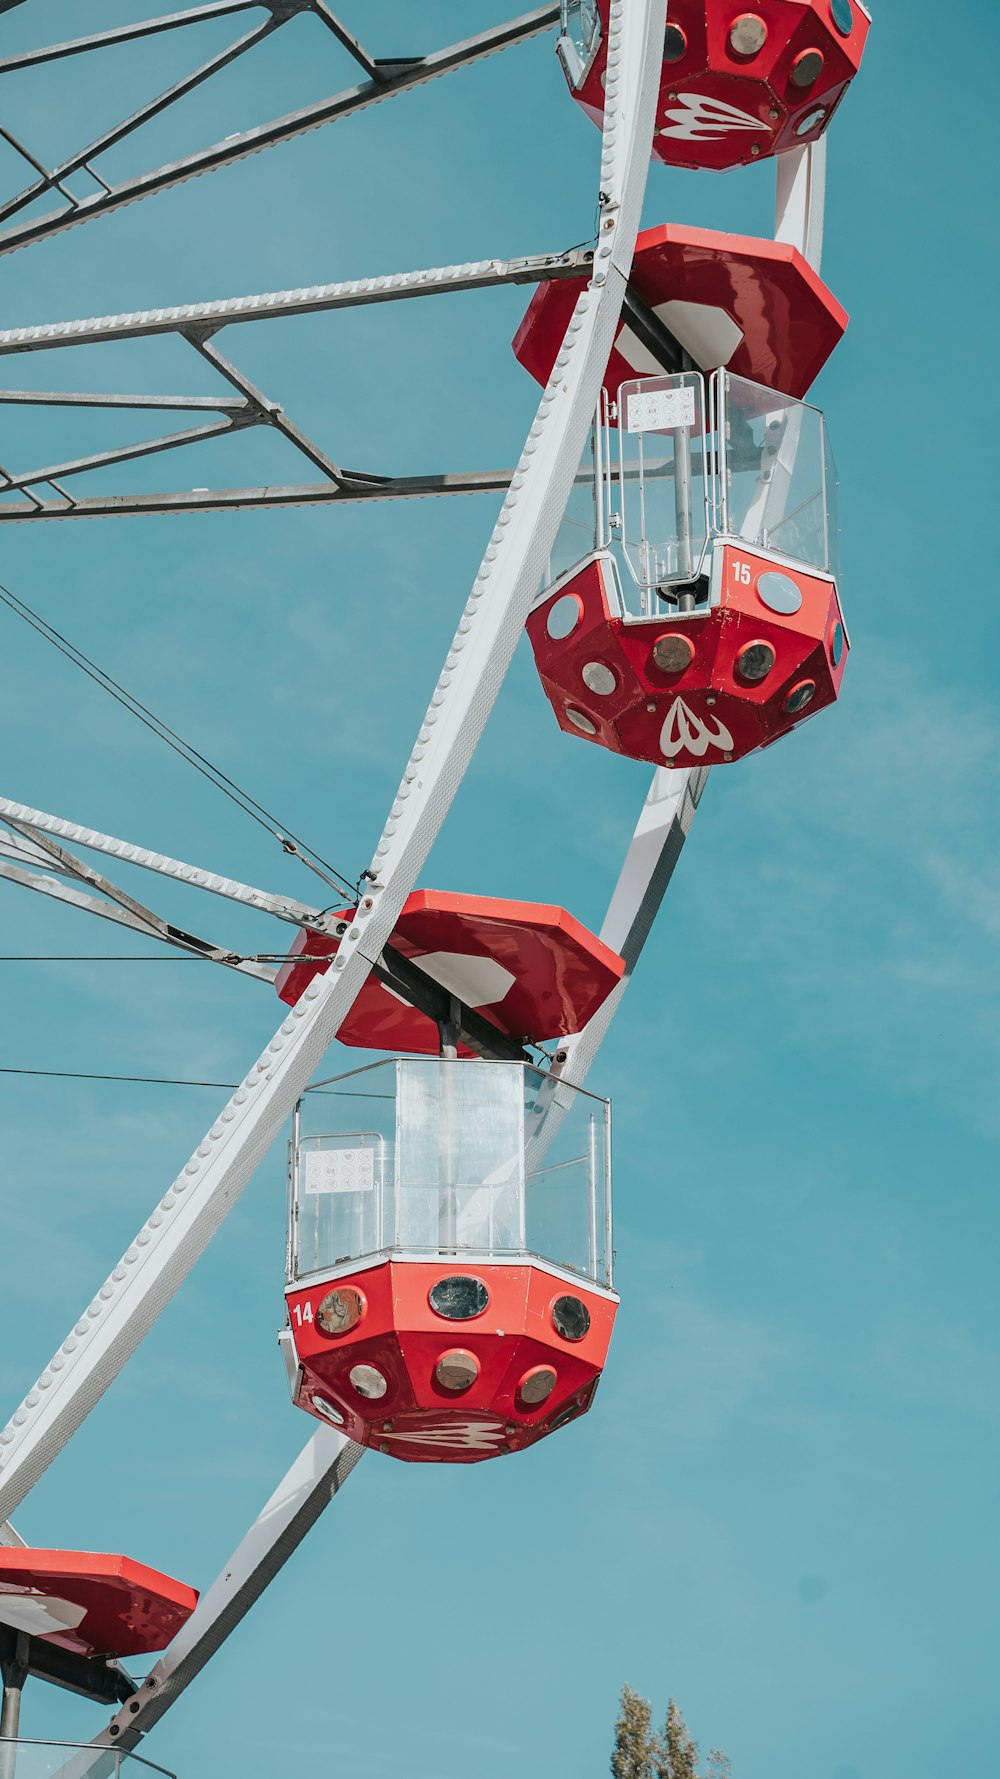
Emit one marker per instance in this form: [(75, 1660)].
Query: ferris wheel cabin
[(738, 83), (702, 620), (449, 1285)]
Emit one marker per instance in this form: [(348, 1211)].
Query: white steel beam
[(299, 914), (165, 1249), (673, 797), (398, 77), (315, 1478), (801, 199), (349, 293), (228, 500)]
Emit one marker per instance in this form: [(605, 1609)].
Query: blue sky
[(782, 1508)]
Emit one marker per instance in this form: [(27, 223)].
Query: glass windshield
[(435, 1156), (662, 480), (580, 31), (779, 484), (584, 522)]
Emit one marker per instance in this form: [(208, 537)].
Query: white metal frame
[(181, 1224)]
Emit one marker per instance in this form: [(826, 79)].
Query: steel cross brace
[(166, 1248), (390, 78), (119, 903), (313, 1481), (196, 324)]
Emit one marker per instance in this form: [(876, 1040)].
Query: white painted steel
[(313, 1481), (307, 300), (180, 1227), (282, 907), (801, 200), (402, 76), (673, 797)]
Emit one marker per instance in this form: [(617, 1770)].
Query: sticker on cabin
[(339, 1170), (659, 410)]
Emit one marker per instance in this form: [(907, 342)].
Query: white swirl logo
[(457, 1436), (684, 732), (698, 119)]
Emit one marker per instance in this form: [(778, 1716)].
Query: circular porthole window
[(778, 592), (368, 1381), (747, 34), (458, 1298), (842, 14), (800, 696), (674, 43), (755, 662), (598, 678), (837, 644), (327, 1410), (807, 68), (537, 1385), (457, 1370), (672, 653), (563, 616), (811, 121), (340, 1311), (580, 721), (570, 1317)]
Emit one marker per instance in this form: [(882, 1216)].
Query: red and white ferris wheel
[(668, 539)]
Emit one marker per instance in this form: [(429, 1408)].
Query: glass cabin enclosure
[(434, 1156), (674, 464), (579, 37)]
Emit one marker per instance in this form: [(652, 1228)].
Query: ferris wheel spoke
[(53, 180), (182, 1224), (392, 77), (197, 324), (312, 299)]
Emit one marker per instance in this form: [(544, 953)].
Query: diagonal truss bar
[(304, 1493), (298, 914), (141, 916), (482, 649), (65, 398), (218, 500), (76, 466), (346, 39), (398, 78), (312, 299), (145, 113), (172, 21), (270, 413)]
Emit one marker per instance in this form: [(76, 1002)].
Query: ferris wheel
[(668, 540)]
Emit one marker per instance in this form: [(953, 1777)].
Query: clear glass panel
[(567, 1171), (579, 35), (780, 487), (460, 1156), (663, 481), (584, 523), (341, 1181), (44, 1760), (452, 1158)]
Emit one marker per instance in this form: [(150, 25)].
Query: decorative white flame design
[(700, 119), (683, 731), (474, 1436)]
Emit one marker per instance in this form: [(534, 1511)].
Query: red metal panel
[(560, 972), (721, 108), (123, 1607), (402, 1336), (788, 319), (719, 715)]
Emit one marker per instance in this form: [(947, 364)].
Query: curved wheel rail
[(179, 1228)]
